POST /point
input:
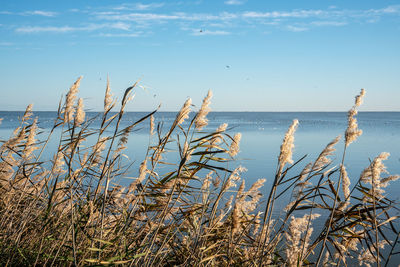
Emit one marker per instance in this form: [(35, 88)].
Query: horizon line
[(219, 111)]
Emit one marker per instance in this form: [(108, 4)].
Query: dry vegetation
[(72, 211)]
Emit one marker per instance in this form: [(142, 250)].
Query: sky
[(254, 55)]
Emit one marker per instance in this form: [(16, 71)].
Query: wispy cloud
[(296, 28), (139, 6), (64, 29), (234, 2), (40, 13), (121, 17), (38, 29), (328, 23), (139, 17), (393, 9), (31, 13), (199, 32), (158, 17), (110, 35), (285, 14)]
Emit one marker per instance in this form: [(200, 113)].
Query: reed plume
[(352, 131), (30, 141), (201, 120), (346, 182), (80, 113), (323, 159), (234, 148), (287, 146), (298, 236), (108, 100), (184, 112), (70, 100)]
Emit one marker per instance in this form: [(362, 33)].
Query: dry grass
[(72, 211)]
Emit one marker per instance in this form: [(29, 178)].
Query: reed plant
[(189, 209)]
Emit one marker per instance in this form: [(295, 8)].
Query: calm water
[(262, 134)]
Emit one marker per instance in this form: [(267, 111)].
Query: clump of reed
[(72, 210)]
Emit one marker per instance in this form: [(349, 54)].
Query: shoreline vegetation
[(194, 210)]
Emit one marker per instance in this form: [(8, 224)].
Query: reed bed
[(197, 211)]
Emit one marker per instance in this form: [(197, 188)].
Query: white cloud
[(139, 6), (37, 29), (139, 16), (106, 13), (285, 14), (31, 13), (65, 29), (234, 2), (296, 28), (198, 32), (136, 34), (40, 13), (329, 23), (387, 10), (119, 25), (156, 17)]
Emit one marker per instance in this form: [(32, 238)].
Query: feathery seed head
[(296, 240), (108, 97), (187, 152), (217, 138), (233, 177), (345, 182), (287, 146), (352, 131), (372, 175), (234, 148), (29, 146), (142, 171), (323, 159), (207, 181), (151, 125), (359, 98), (80, 113), (304, 173), (58, 163), (69, 101), (28, 113), (201, 119), (385, 181), (184, 112)]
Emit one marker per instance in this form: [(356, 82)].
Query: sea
[(262, 134)]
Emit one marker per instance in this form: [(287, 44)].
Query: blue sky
[(254, 55)]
